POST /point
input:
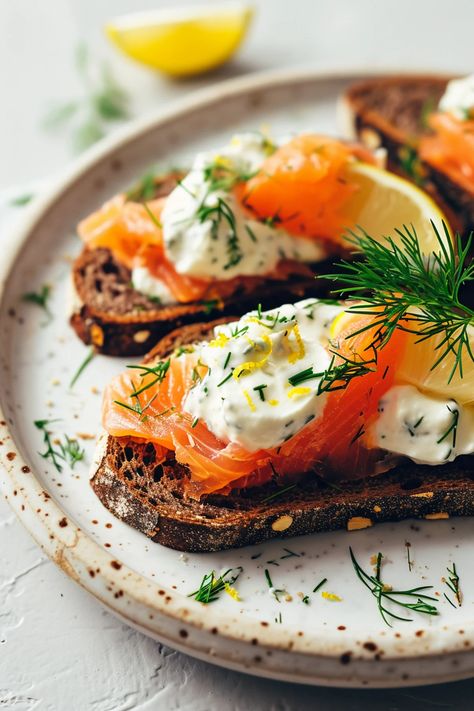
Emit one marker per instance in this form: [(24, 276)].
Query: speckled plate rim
[(203, 632)]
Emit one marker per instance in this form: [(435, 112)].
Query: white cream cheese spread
[(249, 395), (458, 98), (425, 428)]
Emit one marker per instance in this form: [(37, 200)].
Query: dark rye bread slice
[(117, 320), (151, 496), (391, 112)]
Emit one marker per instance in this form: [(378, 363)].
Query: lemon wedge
[(384, 201), (182, 41)]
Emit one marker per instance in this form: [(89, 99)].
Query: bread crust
[(151, 496)]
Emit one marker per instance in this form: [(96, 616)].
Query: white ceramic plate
[(323, 642)]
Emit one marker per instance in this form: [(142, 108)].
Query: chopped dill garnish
[(145, 189), (212, 586), (453, 584), (158, 371), (452, 430), (239, 331), (68, 451), (278, 493), (210, 305), (217, 214), (357, 435), (226, 362), (305, 599), (409, 560), (274, 591), (320, 585), (289, 554), (405, 290), (152, 216), (225, 379), (39, 298), (21, 200), (194, 422), (260, 389), (335, 377), (250, 233), (90, 355), (384, 594), (411, 164)]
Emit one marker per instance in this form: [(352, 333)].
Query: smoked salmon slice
[(450, 147), (139, 404), (300, 188)]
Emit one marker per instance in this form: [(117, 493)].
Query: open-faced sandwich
[(252, 222), (312, 416), (426, 123)]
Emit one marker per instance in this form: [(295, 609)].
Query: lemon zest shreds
[(273, 403), (251, 365), (331, 596), (232, 592), (250, 402), (300, 352), (298, 392), (220, 341)]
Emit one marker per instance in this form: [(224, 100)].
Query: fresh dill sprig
[(384, 594), (40, 298), (102, 101), (452, 430), (453, 584), (408, 290), (82, 368), (335, 377), (211, 586), (68, 451), (158, 372), (217, 213)]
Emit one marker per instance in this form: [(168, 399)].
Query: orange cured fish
[(136, 406)]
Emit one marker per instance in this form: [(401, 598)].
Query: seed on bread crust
[(282, 523), (356, 523)]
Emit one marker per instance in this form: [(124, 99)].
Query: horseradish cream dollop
[(247, 396), (458, 98), (205, 230), (425, 428)]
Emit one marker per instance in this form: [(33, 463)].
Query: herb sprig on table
[(388, 598), (103, 102), (68, 450)]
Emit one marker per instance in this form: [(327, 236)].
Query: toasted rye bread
[(111, 315), (151, 496), (391, 112)]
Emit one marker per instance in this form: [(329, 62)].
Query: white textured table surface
[(59, 650)]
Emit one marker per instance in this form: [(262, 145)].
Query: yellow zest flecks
[(331, 596), (250, 402), (298, 392), (222, 162), (273, 403), (232, 592), (300, 351), (251, 365), (220, 341)]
